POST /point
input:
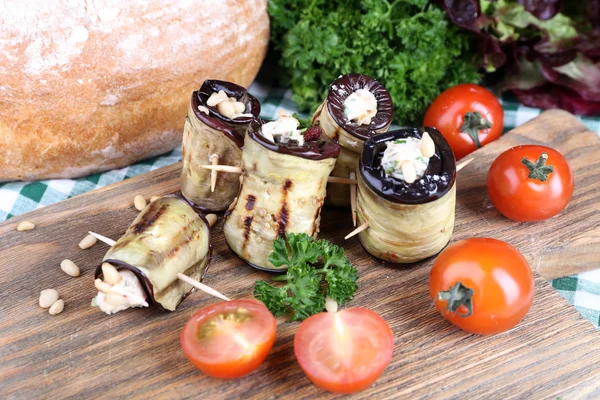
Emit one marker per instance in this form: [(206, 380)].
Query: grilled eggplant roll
[(169, 236), (283, 189), (407, 194), (356, 108), (217, 120)]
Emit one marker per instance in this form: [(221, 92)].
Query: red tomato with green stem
[(468, 116), (530, 183), (344, 351), (483, 286), (229, 339)]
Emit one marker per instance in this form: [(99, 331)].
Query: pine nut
[(153, 198), (70, 268), (57, 307), (212, 219), (408, 171), (427, 145), (48, 297), (216, 98), (102, 286), (226, 109), (114, 299), (239, 107), (110, 274), (87, 242), (25, 226), (139, 202), (203, 109)]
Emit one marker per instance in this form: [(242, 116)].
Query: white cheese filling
[(360, 107), (129, 288), (283, 130), (400, 150)]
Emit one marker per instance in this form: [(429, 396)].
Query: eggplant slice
[(169, 236), (331, 119), (407, 222), (205, 135), (283, 190)]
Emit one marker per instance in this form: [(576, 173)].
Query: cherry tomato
[(229, 339), (468, 116), (346, 351), (483, 286), (530, 183)]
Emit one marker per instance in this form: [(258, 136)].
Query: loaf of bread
[(87, 86)]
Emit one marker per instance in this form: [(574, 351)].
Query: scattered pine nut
[(87, 242), (57, 307), (154, 198), (25, 226), (211, 218), (70, 268), (139, 202), (48, 297)]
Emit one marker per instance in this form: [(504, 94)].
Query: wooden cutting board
[(83, 353)]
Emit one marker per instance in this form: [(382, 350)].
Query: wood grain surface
[(83, 353)]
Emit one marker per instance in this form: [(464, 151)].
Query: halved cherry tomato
[(468, 116), (229, 339), (530, 183), (346, 351), (483, 286)]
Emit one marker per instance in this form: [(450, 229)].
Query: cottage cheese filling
[(360, 107), (283, 130), (400, 151), (129, 287)]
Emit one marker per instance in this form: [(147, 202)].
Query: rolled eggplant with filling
[(406, 194), (168, 237), (356, 108), (217, 120), (283, 188)]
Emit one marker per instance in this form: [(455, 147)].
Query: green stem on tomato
[(538, 170), (473, 122), (458, 295)]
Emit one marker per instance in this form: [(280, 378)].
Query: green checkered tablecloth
[(582, 290)]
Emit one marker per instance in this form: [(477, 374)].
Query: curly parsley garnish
[(316, 269)]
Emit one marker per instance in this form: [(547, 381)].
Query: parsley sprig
[(316, 269)]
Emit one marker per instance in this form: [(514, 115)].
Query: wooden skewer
[(358, 230), (365, 225), (202, 286), (211, 218), (223, 168), (214, 159), (238, 170), (353, 198), (337, 179), (103, 239)]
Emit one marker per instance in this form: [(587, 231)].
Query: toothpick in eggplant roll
[(407, 194), (169, 236), (283, 188), (356, 108), (217, 120)]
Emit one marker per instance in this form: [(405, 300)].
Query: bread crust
[(88, 86)]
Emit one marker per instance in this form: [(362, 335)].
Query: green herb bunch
[(316, 268), (408, 45)]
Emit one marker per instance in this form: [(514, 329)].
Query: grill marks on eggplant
[(284, 211), (149, 218), (250, 200)]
